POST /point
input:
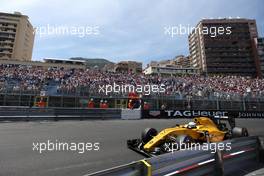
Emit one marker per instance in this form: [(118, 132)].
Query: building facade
[(224, 46), (16, 37), (169, 71), (129, 67), (260, 49), (182, 61), (109, 68), (179, 61), (45, 63)]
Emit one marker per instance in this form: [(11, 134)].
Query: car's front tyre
[(148, 134)]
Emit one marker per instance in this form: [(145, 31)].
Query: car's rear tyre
[(148, 134), (239, 132)]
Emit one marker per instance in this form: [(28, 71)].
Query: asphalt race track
[(18, 158)]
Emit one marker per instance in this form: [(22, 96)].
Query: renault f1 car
[(200, 130)]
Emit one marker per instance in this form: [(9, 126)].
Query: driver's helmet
[(191, 125)]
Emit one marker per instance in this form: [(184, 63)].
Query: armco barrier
[(26, 113), (170, 164), (197, 162), (140, 168), (131, 114)]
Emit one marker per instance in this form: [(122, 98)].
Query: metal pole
[(219, 168), (217, 101), (244, 104)]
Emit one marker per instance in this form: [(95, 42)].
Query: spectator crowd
[(70, 81)]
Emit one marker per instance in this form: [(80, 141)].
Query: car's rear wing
[(230, 119)]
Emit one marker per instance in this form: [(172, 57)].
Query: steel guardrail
[(140, 168), (35, 113), (197, 162)]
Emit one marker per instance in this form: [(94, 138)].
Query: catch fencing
[(156, 102)]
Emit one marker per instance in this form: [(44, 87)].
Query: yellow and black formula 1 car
[(201, 130)]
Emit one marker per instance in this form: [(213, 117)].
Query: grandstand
[(22, 85)]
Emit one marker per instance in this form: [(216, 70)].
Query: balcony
[(5, 50), (7, 42), (6, 47), (12, 26), (8, 25), (5, 56), (6, 36), (7, 31)]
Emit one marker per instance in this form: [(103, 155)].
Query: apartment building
[(224, 46), (16, 37)]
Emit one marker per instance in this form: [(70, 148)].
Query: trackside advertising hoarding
[(197, 113)]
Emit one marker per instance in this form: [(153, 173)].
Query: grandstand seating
[(60, 81)]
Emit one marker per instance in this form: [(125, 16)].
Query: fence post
[(219, 168), (260, 149), (147, 171), (61, 103), (244, 104), (217, 104), (4, 100)]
